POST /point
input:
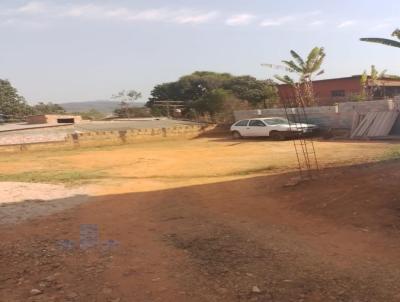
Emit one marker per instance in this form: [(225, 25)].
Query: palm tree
[(304, 68), (384, 41)]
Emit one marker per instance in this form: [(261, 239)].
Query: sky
[(79, 50)]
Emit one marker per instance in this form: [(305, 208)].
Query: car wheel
[(277, 136), (236, 135)]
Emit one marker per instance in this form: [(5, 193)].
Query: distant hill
[(101, 106)]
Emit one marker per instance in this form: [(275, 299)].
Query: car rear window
[(242, 123)]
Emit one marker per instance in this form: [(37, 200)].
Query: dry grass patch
[(161, 164)]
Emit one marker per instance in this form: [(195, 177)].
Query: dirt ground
[(219, 230), (23, 201)]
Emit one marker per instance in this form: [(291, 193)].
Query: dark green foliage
[(12, 104), (156, 111), (305, 69), (384, 41), (212, 102), (204, 90), (15, 107), (250, 89), (198, 84), (167, 91)]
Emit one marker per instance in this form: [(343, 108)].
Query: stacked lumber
[(365, 123), (357, 118), (373, 124)]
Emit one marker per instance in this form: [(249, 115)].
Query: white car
[(275, 127)]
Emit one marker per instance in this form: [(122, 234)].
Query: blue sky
[(87, 50)]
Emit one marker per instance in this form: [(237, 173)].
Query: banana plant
[(305, 68), (369, 88), (388, 42)]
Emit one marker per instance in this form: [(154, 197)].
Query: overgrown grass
[(259, 170), (70, 178), (243, 172), (391, 154), (75, 178)]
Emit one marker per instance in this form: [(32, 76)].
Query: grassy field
[(152, 165)]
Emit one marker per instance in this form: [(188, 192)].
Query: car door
[(257, 128), (241, 127)]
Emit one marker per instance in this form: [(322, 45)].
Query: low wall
[(110, 138), (339, 116)]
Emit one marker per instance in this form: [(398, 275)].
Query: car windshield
[(276, 121)]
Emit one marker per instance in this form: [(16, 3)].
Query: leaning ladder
[(304, 147)]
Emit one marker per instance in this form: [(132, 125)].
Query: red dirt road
[(333, 239)]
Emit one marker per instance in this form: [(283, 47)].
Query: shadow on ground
[(254, 239)]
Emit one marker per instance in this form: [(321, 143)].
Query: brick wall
[(323, 90), (36, 119)]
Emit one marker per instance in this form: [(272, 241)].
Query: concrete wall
[(339, 116), (110, 138), (51, 118)]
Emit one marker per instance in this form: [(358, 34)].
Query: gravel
[(23, 201)]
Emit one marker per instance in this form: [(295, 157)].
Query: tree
[(211, 102), (165, 92), (125, 97), (374, 84), (199, 83), (192, 89), (11, 103), (219, 104), (48, 108), (133, 112), (250, 89), (369, 83), (272, 94), (189, 88), (364, 85), (384, 41), (306, 70)]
